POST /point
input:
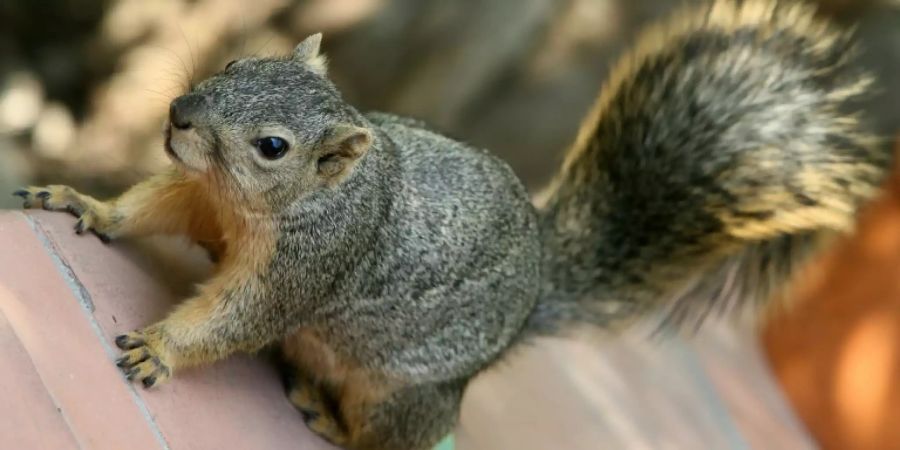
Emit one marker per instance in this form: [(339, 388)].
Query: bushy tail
[(721, 150)]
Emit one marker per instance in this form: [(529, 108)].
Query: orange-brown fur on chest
[(218, 225)]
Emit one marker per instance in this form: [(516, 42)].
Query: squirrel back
[(719, 155)]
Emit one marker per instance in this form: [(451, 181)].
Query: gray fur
[(409, 262), (404, 277)]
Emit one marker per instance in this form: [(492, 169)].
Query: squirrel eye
[(272, 147), (230, 63)]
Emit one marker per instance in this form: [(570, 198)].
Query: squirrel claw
[(308, 415), (44, 196), (126, 342), (21, 193), (148, 382), (80, 228), (103, 238), (141, 359)]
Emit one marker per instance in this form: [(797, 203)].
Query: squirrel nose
[(184, 110)]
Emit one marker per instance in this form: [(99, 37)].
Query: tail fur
[(719, 155)]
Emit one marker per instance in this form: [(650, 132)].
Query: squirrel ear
[(343, 147), (307, 52)]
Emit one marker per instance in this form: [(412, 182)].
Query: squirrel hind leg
[(318, 409), (386, 425), (316, 405), (356, 424), (313, 401), (383, 425)]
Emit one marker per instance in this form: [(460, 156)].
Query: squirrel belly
[(719, 156)]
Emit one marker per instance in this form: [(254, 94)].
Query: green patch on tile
[(446, 444)]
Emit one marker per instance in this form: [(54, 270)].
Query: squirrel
[(391, 265)]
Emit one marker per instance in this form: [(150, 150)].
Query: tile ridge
[(84, 299)]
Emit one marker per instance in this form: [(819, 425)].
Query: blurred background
[(85, 84)]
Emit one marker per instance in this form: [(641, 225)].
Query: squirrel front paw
[(92, 215), (143, 358)]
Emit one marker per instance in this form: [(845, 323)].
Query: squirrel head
[(273, 127)]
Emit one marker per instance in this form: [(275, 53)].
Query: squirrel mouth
[(168, 144)]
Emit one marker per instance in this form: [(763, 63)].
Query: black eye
[(272, 147), (230, 63)]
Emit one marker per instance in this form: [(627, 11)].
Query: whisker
[(191, 53), (181, 79)]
